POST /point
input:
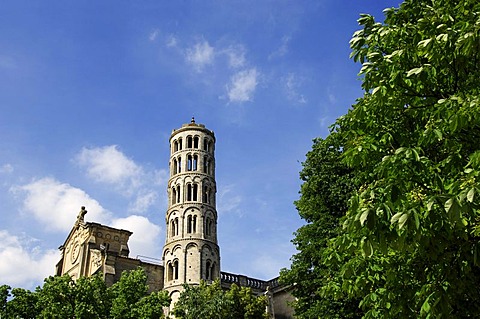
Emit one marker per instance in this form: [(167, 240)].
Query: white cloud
[(145, 240), (24, 266), (236, 56), (143, 201), (108, 165), (153, 35), (171, 41), (242, 85), (6, 169), (56, 204), (200, 55)]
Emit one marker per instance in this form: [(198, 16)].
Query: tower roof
[(192, 126)]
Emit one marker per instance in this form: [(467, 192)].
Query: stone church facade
[(191, 252)]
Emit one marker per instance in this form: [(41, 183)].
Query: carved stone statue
[(81, 215)]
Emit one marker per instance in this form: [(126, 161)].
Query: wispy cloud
[(228, 201), (153, 35), (292, 83), (282, 50), (22, 265), (6, 169), (200, 55), (242, 85), (171, 41), (235, 55)]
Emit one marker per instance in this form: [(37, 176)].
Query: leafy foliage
[(409, 241), (88, 297), (210, 301), (328, 184)]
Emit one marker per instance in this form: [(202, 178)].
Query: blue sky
[(90, 92)]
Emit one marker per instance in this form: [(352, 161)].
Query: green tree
[(130, 298), (92, 299), (56, 298), (409, 242), (88, 297), (4, 294), (205, 301), (242, 303), (414, 134), (327, 186), (23, 304)]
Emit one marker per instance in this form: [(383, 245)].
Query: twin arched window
[(172, 272), (210, 270), (174, 227), (191, 224)]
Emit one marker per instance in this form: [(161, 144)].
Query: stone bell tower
[(191, 251)]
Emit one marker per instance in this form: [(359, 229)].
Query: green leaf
[(471, 194), (414, 71), (402, 220), (364, 215), (396, 217)]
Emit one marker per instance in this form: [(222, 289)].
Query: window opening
[(175, 269), (189, 163), (195, 162), (195, 191), (189, 142), (195, 142)]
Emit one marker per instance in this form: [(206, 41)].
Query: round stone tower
[(191, 251)]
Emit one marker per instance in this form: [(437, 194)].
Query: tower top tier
[(192, 126)]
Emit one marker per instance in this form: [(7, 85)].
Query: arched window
[(178, 193), (175, 146), (210, 270), (179, 165), (194, 192), (189, 142), (174, 196), (195, 142), (205, 164), (191, 224), (189, 192), (208, 226), (175, 270), (189, 163), (208, 275), (179, 144), (174, 227), (175, 167), (170, 272), (210, 147), (205, 144), (195, 162), (205, 195)]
